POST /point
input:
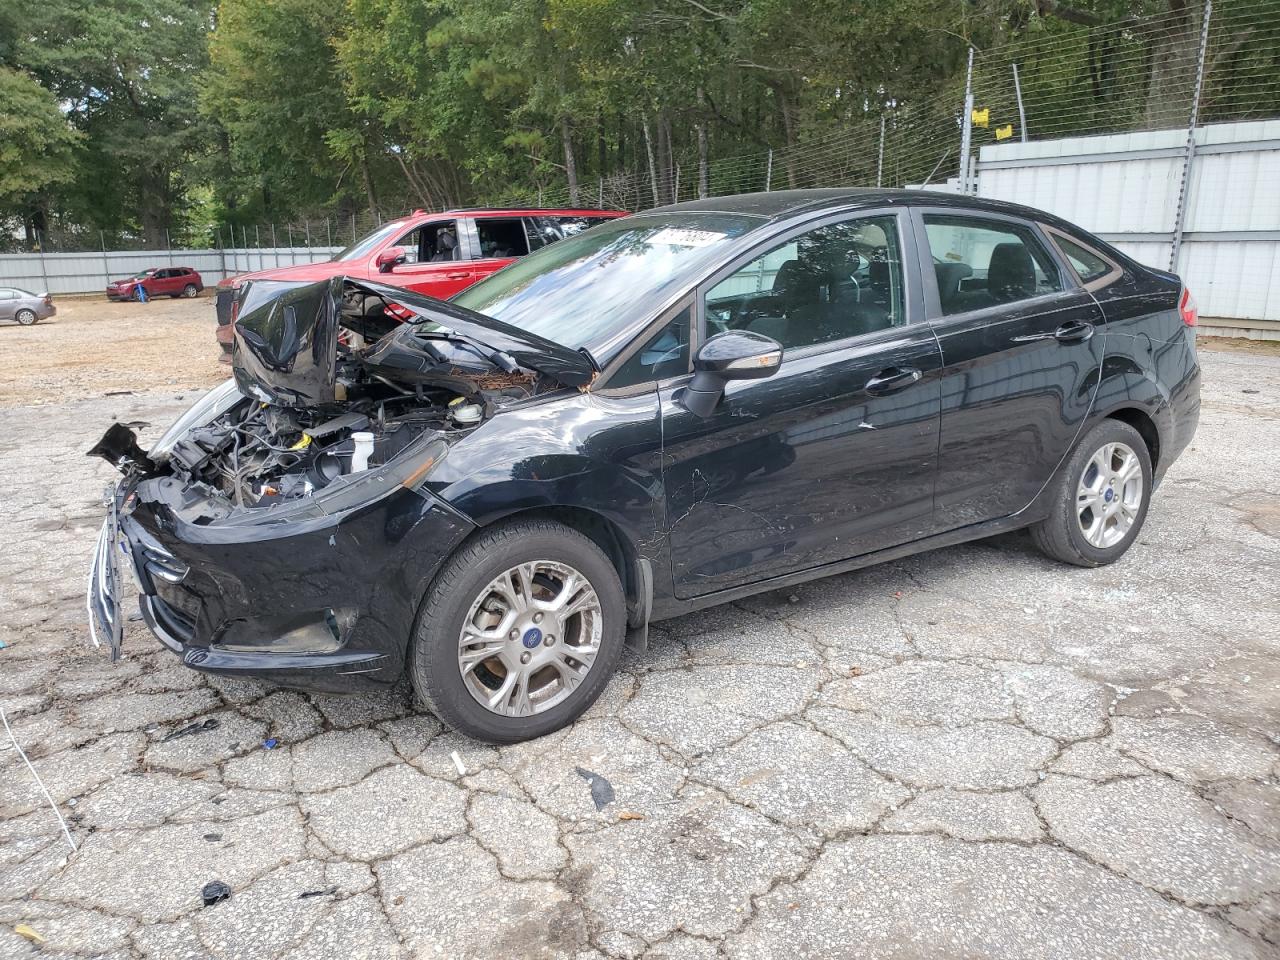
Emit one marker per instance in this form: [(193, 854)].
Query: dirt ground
[(94, 347)]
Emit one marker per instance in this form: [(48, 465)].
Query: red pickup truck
[(438, 254)]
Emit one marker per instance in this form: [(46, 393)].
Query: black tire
[(189, 291), (1059, 535), (26, 317), (433, 654)]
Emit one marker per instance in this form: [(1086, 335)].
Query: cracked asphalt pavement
[(973, 752)]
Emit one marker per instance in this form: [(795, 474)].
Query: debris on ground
[(601, 789), (213, 837), (28, 933), (215, 891), (458, 764), (270, 743), (317, 893), (630, 815), (209, 723)]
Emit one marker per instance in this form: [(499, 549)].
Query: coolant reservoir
[(465, 413)]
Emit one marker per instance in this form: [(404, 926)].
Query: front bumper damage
[(326, 604)]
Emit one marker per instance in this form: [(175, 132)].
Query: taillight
[(1187, 307), (48, 300)]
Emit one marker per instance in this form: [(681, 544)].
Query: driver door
[(434, 264), (833, 456)]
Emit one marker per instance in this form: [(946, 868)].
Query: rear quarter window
[(1088, 265)]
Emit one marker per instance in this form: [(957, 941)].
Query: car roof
[(524, 211), (781, 204)]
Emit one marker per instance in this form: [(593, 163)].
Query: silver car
[(26, 308)]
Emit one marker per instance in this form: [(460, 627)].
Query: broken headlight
[(205, 410)]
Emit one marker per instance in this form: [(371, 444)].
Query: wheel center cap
[(532, 637), (1109, 496)]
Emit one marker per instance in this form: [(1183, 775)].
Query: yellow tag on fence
[(982, 118), (1005, 132)]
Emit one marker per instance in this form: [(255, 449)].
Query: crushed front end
[(281, 527)]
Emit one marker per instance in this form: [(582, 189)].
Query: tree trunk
[(368, 186), (703, 190), (789, 132), (653, 172), (668, 159), (1173, 52), (570, 167)]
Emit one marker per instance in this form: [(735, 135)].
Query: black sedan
[(665, 412)]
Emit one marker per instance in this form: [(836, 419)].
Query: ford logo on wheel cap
[(532, 637)]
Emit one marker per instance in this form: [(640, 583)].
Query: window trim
[(912, 301), (929, 279), (1112, 275), (479, 248)]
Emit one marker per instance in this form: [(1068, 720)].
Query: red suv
[(158, 281), (438, 254)]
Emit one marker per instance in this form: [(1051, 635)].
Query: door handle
[(1076, 331), (458, 275), (891, 380)]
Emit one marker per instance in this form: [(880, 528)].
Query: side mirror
[(389, 257), (732, 355)]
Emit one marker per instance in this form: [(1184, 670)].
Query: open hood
[(286, 340)]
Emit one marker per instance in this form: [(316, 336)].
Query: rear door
[(495, 242), (834, 455), (436, 259), (1022, 349)]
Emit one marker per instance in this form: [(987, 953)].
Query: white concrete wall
[(1124, 187)]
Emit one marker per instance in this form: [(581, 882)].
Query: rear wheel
[(25, 317), (520, 632), (189, 291), (1100, 498)]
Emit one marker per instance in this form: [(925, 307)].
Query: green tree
[(36, 148)]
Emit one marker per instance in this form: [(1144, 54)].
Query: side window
[(986, 263), (840, 280), (1087, 264), (545, 230), (431, 243), (500, 239), (6, 294), (665, 355)]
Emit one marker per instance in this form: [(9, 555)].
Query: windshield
[(365, 246), (579, 290)]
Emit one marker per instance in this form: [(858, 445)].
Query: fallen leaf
[(629, 815)]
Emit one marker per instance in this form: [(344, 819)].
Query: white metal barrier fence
[(62, 273)]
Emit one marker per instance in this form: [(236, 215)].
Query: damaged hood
[(286, 340)]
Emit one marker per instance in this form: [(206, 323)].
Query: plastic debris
[(27, 933), (209, 723), (318, 893), (458, 764), (215, 891), (270, 743), (601, 789)]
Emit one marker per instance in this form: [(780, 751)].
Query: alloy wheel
[(26, 317), (1109, 495), (530, 638)]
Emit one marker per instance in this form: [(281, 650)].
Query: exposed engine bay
[(315, 402)]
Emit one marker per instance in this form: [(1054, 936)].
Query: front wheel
[(520, 632), (25, 317), (1100, 498)]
